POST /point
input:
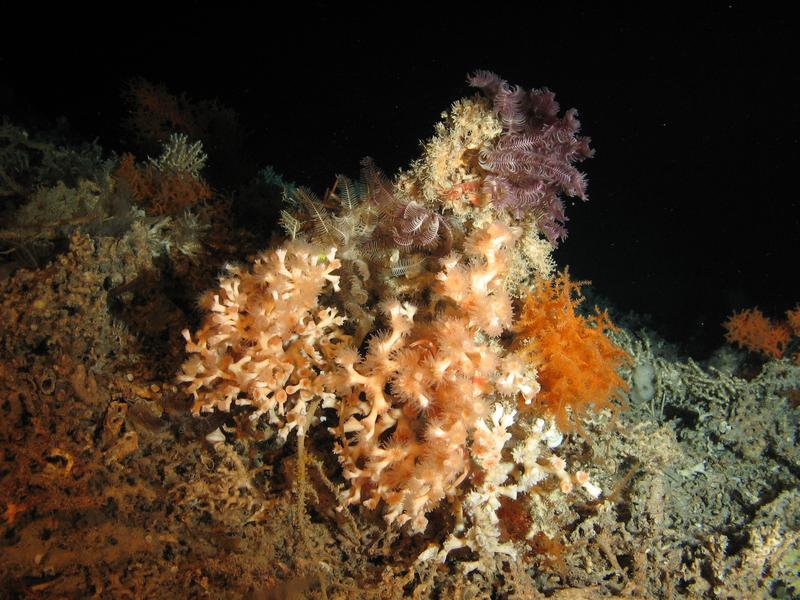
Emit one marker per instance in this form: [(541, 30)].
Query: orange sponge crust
[(576, 361)]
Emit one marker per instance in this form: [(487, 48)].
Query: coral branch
[(266, 343)]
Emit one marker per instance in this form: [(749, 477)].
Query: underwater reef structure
[(399, 396)]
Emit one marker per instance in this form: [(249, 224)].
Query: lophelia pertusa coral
[(424, 410), (410, 447), (267, 343)]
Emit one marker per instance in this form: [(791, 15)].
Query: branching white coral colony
[(439, 409)]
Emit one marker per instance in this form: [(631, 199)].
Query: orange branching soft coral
[(161, 192), (576, 361), (267, 342), (793, 319), (155, 113), (750, 329)]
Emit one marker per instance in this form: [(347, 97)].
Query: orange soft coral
[(161, 192), (793, 319), (577, 363), (750, 329)]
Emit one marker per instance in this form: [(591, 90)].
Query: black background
[(692, 110)]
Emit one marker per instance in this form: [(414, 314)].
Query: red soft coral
[(750, 329), (577, 362), (161, 193), (793, 319)]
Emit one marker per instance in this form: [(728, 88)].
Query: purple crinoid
[(532, 162)]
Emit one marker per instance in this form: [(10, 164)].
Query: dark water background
[(693, 207)]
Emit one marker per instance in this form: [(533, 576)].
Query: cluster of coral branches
[(417, 314)]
